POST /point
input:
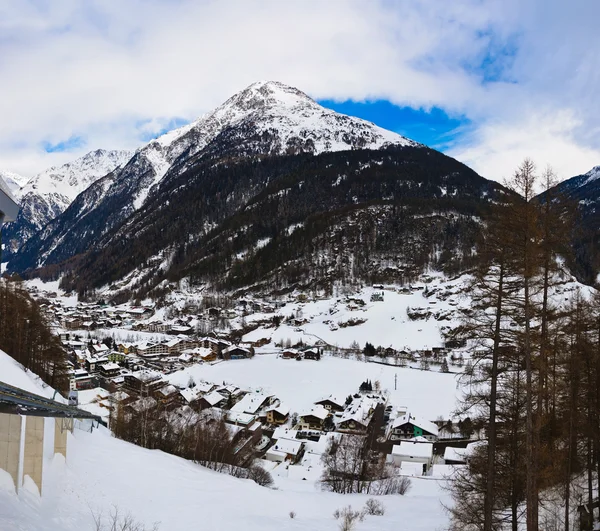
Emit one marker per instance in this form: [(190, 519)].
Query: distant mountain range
[(269, 191), (49, 193)]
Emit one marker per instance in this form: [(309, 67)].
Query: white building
[(413, 452)]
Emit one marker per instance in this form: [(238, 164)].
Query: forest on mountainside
[(26, 336), (535, 380), (354, 216)]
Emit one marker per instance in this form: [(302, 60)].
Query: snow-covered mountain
[(281, 120), (62, 184), (49, 193), (265, 119), (14, 181), (584, 191)]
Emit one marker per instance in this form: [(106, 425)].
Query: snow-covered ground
[(300, 383), (102, 472), (386, 322)]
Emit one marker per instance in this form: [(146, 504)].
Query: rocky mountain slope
[(49, 193), (584, 192), (269, 188)]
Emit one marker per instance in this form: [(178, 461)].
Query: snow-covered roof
[(213, 398), (455, 454), (235, 417), (282, 432), (251, 403), (143, 404), (333, 399), (168, 390), (413, 449), (288, 446), (425, 425), (318, 411), (110, 366)]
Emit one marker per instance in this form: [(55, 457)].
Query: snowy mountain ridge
[(14, 181), (291, 120), (64, 183), (49, 193), (265, 119)]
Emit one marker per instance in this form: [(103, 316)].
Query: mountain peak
[(263, 94)]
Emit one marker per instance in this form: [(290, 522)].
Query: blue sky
[(489, 83), (432, 127)]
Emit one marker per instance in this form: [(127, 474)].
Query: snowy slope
[(46, 195), (14, 181), (101, 473), (60, 185)]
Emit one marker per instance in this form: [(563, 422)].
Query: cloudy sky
[(486, 82)]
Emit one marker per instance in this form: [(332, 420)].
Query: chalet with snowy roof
[(311, 353), (313, 419), (212, 399), (252, 403), (236, 352), (142, 405), (408, 426), (80, 379), (283, 450), (169, 395), (143, 382), (332, 403), (109, 369), (413, 452), (358, 415), (290, 354), (151, 350), (278, 414)]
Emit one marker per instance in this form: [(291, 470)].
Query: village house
[(285, 450), (252, 403), (212, 399), (408, 426), (143, 382), (109, 369), (358, 415), (169, 395), (278, 414), (313, 419), (332, 403), (290, 353), (311, 353), (413, 452), (235, 352), (80, 379)]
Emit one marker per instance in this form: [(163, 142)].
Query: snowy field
[(300, 383), (386, 322)]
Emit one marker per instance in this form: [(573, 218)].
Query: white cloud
[(113, 71)]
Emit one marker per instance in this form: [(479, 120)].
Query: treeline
[(203, 437), (535, 380), (25, 335)]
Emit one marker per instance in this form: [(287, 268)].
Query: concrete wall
[(33, 454), (10, 445), (61, 427)]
